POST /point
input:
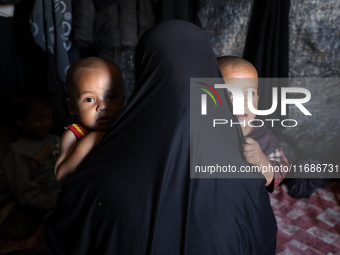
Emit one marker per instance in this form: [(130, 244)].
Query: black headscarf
[(133, 194)]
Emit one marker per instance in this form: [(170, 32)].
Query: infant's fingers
[(247, 154), (249, 140), (247, 147)]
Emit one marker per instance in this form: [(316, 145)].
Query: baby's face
[(244, 79), (97, 100), (38, 122)]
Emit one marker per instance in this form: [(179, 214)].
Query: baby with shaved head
[(243, 75), (96, 97), (262, 148)]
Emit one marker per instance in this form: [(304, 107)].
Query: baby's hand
[(252, 152)]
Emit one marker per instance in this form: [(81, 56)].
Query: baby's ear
[(70, 106)]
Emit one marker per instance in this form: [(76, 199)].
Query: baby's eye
[(252, 94), (89, 99)]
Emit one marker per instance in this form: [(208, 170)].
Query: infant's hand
[(252, 152)]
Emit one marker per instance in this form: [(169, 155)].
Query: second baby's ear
[(70, 106)]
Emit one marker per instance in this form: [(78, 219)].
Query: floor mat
[(308, 226)]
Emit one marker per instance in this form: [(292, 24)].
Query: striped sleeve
[(278, 158), (78, 130)]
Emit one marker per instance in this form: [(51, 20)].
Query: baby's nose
[(102, 106)]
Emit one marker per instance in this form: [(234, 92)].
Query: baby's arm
[(73, 152), (253, 154), (67, 144)]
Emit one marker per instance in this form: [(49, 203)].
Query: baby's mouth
[(242, 116), (103, 120)]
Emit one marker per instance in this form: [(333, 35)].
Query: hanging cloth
[(267, 46), (51, 28)]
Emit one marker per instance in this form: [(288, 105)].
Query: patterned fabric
[(78, 130), (307, 226), (278, 158), (51, 28)]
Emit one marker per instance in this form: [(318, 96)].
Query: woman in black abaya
[(133, 194)]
